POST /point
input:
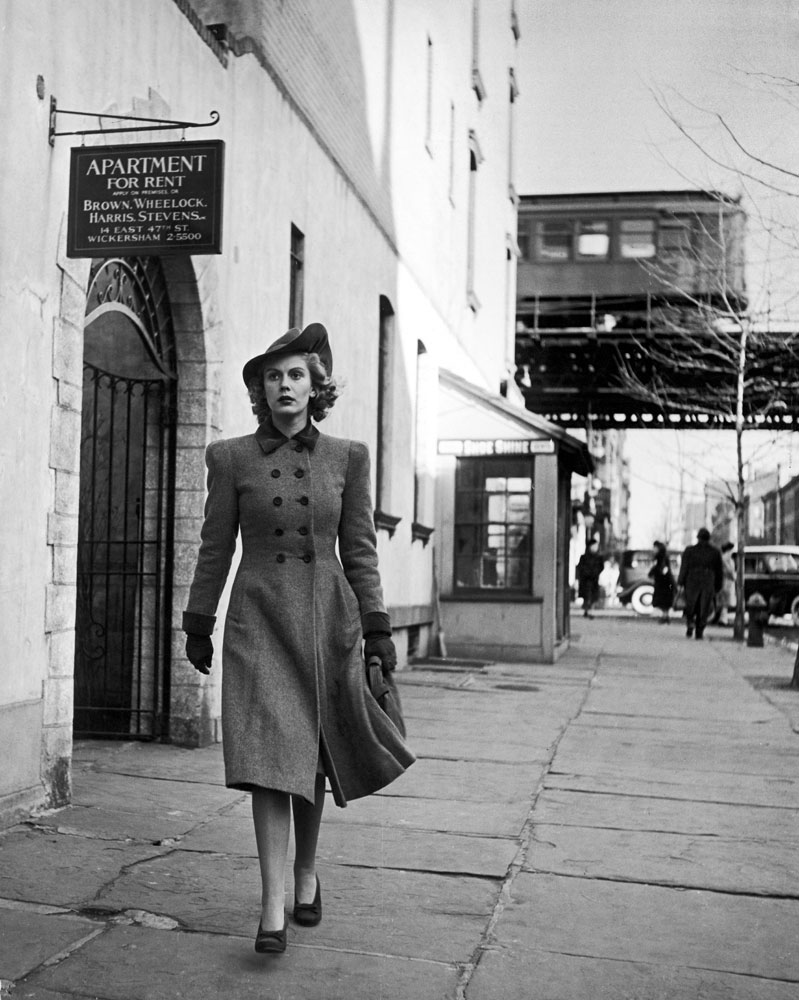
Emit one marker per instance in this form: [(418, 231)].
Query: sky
[(601, 83)]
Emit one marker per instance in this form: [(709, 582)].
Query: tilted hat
[(311, 340)]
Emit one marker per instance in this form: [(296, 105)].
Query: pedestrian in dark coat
[(662, 583), (295, 706), (701, 576), (589, 567)]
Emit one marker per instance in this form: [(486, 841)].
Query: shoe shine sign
[(149, 199)]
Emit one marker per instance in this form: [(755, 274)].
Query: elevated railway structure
[(647, 284)]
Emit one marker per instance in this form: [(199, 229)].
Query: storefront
[(503, 526)]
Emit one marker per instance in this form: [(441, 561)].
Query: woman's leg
[(271, 813), (307, 820)]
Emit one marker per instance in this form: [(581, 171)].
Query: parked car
[(773, 572), (635, 586)]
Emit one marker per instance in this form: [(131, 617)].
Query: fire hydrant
[(758, 618)]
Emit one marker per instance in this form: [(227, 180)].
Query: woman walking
[(295, 709), (663, 583)]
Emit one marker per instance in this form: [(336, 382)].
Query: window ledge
[(508, 596), (386, 522), (420, 533)]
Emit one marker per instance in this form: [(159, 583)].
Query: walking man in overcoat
[(701, 577)]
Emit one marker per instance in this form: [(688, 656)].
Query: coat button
[(280, 558), (298, 447), (278, 531), (307, 558), (277, 501), (303, 530), (275, 473), (303, 501), (299, 473)]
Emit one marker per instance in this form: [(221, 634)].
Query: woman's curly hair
[(327, 391)]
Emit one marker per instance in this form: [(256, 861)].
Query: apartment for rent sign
[(155, 198)]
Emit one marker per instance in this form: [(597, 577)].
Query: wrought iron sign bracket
[(157, 124)]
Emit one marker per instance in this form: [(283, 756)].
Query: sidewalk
[(621, 824)]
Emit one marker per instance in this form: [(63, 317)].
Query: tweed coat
[(293, 679)]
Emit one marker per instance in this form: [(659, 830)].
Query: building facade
[(367, 185)]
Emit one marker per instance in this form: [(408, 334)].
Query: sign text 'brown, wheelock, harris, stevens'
[(153, 198)]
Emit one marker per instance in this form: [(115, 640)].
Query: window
[(637, 238), (524, 236), (428, 123), (451, 151), (477, 80), (675, 239), (493, 524), (475, 157), (593, 239), (385, 406), (296, 264), (514, 93), (554, 240)]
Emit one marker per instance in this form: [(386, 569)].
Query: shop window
[(593, 239), (493, 524), (637, 238), (296, 276)]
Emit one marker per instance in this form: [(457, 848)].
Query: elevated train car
[(596, 272), (588, 255)]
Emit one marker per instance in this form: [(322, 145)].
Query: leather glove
[(383, 647), (377, 639), (200, 651)]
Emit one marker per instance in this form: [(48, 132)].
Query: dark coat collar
[(270, 438)]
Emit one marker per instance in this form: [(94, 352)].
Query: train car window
[(637, 238), (593, 239), (524, 237), (554, 240), (675, 238)]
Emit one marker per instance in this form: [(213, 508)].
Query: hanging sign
[(471, 448), (147, 199)]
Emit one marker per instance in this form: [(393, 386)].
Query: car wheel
[(795, 610), (641, 599)]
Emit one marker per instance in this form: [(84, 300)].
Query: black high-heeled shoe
[(271, 942), (309, 914)]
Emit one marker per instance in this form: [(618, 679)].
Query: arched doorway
[(126, 509)]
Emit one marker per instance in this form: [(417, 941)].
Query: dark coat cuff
[(375, 623), (197, 624)]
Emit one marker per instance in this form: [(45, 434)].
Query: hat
[(311, 340)]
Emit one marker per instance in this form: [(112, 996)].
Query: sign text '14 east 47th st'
[(153, 198)]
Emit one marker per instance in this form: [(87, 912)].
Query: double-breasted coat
[(293, 681)]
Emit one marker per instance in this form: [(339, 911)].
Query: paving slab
[(693, 785), (152, 965), (370, 846), (620, 747), (119, 807), (626, 922), (469, 780), (627, 812), (403, 913), (158, 760), (44, 867), (28, 938), (484, 819), (723, 864), (530, 974)]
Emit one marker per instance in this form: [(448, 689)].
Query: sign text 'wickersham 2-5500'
[(155, 198)]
